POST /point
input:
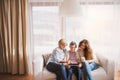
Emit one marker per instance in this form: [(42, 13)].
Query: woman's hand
[(80, 65), (82, 59), (72, 62), (69, 62), (63, 61), (67, 66)]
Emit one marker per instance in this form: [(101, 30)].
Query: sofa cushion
[(103, 61), (45, 58), (51, 76), (47, 75), (98, 74)]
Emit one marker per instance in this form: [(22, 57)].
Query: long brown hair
[(87, 51)]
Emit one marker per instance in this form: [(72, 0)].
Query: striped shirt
[(72, 57)]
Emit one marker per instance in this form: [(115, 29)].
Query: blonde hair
[(62, 42)]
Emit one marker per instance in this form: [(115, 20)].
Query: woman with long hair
[(89, 60)]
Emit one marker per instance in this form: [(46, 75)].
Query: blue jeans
[(87, 68), (77, 71), (58, 69)]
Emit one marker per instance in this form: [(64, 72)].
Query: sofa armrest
[(111, 69), (37, 68), (103, 61), (108, 65)]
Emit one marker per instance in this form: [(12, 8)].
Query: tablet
[(73, 64)]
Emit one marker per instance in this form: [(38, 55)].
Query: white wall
[(100, 24), (102, 27)]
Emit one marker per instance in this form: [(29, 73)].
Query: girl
[(74, 64)]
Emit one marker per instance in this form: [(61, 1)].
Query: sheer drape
[(13, 58)]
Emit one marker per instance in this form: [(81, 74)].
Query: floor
[(30, 77), (15, 77)]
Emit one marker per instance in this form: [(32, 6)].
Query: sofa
[(104, 72)]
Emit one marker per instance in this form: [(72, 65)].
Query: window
[(47, 28), (74, 29), (95, 24)]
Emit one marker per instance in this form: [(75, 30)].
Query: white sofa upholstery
[(104, 72)]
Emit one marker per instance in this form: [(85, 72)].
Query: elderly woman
[(56, 61)]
